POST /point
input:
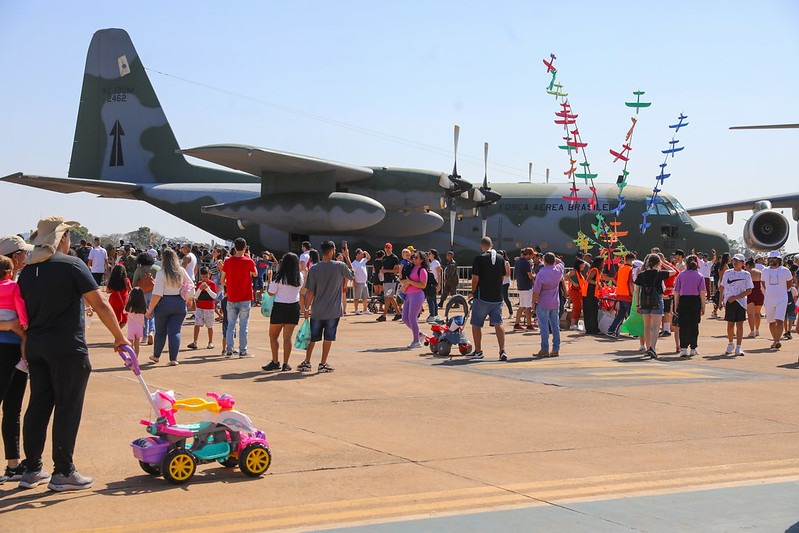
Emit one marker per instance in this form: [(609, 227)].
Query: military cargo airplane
[(125, 148)]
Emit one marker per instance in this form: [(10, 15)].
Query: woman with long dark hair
[(576, 280), (285, 287), (591, 296), (431, 293), (413, 287), (144, 277), (118, 288)]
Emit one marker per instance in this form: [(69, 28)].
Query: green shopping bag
[(267, 302), (303, 338)]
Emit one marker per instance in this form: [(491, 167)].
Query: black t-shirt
[(390, 262), (647, 278), (53, 293), (377, 265), (489, 284), (83, 253)]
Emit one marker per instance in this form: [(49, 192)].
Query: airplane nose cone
[(705, 239)]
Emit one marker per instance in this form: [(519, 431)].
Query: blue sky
[(383, 83)]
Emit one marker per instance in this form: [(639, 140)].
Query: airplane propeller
[(484, 196), (454, 186)]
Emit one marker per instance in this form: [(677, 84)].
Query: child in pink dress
[(12, 306), (136, 309)]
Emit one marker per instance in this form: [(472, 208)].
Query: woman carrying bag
[(285, 312)]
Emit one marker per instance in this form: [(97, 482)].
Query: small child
[(118, 288), (136, 309), (12, 306), (204, 314)]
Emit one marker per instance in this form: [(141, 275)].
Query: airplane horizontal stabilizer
[(102, 188), (260, 161)]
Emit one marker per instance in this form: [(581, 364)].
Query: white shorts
[(775, 310), (526, 298), (360, 292), (204, 318)]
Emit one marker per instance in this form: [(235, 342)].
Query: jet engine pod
[(766, 230), (337, 212)]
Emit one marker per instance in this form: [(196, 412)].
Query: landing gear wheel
[(178, 466), (255, 459), (444, 348)]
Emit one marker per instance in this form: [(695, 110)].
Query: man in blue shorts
[(488, 269), (323, 302)]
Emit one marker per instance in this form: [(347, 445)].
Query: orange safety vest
[(584, 285), (623, 280)]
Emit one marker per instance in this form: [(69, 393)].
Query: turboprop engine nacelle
[(766, 230), (337, 212)]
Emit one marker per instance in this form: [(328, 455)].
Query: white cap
[(739, 257), (774, 254)]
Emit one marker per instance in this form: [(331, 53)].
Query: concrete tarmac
[(396, 434)]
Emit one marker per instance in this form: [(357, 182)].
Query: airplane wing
[(786, 200), (102, 188), (257, 161)]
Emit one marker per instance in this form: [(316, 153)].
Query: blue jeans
[(621, 314), (237, 311), (548, 322), (169, 315), (149, 323)]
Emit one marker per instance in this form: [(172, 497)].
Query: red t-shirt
[(238, 278), (202, 298)]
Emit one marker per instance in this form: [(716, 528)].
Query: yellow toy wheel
[(255, 459), (178, 466)]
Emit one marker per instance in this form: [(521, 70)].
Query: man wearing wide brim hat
[(54, 285)]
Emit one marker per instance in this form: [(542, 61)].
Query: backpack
[(146, 283), (432, 285), (649, 298)]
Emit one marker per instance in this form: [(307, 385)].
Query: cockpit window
[(663, 207)]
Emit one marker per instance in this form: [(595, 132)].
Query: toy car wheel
[(178, 466), (229, 461), (255, 459), (151, 469), (444, 348), (464, 349), (434, 348)]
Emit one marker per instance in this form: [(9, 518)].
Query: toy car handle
[(224, 401), (129, 358)]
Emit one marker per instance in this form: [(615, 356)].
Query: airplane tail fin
[(122, 133)]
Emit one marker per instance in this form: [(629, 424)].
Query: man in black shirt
[(54, 285), (390, 269), (488, 270)]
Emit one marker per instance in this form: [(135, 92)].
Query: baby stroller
[(173, 450), (450, 333)]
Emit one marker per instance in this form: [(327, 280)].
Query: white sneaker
[(751, 335), (415, 344), (574, 327), (739, 351), (367, 312), (730, 349), (684, 352), (358, 312), (694, 353)]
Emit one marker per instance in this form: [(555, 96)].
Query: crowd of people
[(49, 288)]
